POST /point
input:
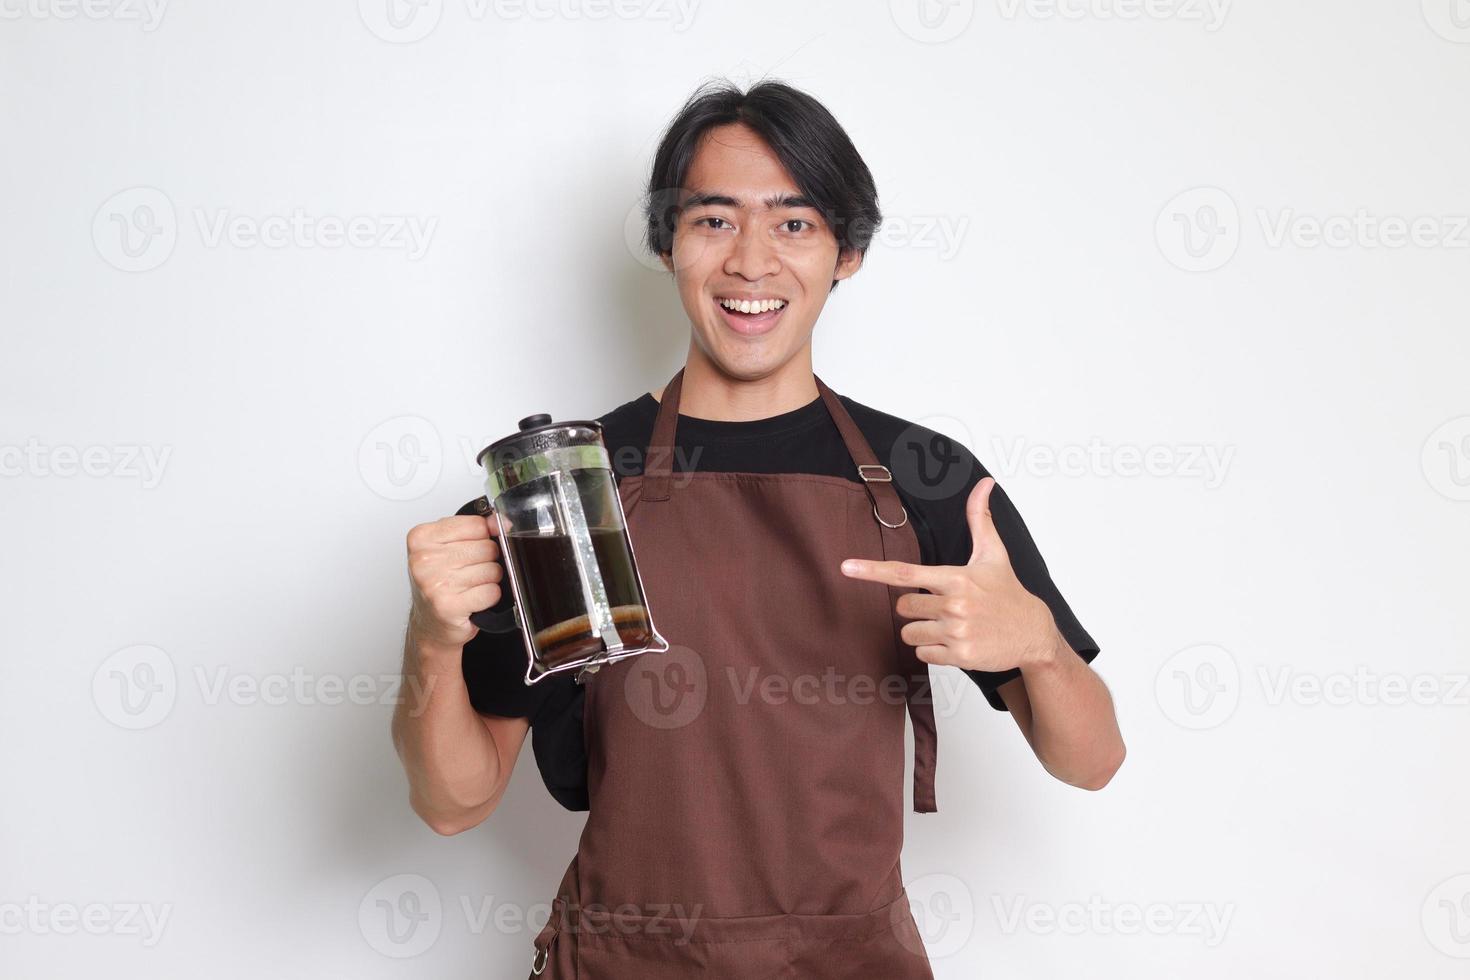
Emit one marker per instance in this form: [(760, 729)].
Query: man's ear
[(849, 261), (667, 258)]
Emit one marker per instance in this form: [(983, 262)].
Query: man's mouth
[(751, 316)]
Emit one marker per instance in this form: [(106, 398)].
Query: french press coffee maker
[(577, 596)]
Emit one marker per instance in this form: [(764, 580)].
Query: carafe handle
[(501, 617), (497, 619)]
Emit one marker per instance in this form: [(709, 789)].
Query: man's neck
[(709, 393)]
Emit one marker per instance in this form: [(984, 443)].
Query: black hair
[(805, 137)]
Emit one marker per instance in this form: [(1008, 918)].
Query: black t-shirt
[(932, 473)]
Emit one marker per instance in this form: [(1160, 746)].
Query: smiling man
[(745, 790)]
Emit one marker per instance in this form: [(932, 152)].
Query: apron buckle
[(901, 521), (887, 477)]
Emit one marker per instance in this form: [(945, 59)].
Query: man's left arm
[(1066, 714)]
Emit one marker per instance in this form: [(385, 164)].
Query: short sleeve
[(494, 672), (494, 666), (954, 546)]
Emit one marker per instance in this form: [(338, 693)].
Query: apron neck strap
[(659, 460)]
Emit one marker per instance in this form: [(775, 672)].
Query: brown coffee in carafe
[(546, 565)]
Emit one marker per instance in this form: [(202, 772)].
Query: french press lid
[(540, 447), (537, 433)]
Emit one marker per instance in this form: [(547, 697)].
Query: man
[(758, 834)]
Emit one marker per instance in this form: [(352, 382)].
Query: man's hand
[(978, 615), (454, 572)]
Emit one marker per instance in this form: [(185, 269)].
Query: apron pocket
[(882, 943), (613, 945)]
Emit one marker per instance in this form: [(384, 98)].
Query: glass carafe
[(577, 595)]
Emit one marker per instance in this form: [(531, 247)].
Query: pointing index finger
[(901, 573)]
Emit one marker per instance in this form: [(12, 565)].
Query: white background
[(1285, 634)]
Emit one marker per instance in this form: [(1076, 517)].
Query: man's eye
[(795, 221), (700, 221)]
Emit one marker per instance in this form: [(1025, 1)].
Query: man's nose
[(753, 256)]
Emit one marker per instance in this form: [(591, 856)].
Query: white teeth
[(755, 306)]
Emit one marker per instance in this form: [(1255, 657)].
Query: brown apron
[(746, 788)]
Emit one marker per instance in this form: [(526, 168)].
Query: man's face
[(744, 233)]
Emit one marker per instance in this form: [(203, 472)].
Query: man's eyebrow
[(774, 201)]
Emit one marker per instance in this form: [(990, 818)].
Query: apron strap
[(887, 507), (658, 462), (898, 541)]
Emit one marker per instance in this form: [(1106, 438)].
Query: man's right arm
[(458, 761)]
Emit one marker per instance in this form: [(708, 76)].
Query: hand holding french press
[(454, 570)]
